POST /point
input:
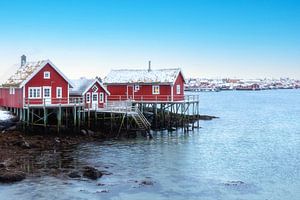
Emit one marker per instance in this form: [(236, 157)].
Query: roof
[(26, 72), (123, 76), (83, 84)]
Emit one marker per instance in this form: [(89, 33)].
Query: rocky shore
[(23, 155)]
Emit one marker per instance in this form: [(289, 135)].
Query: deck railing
[(53, 101), (154, 98)]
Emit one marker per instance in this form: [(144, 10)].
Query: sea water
[(251, 152)]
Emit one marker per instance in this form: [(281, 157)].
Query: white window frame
[(58, 89), (136, 88), (93, 88), (88, 97), (36, 96), (154, 88), (101, 97), (47, 75), (50, 94), (178, 89), (12, 91)]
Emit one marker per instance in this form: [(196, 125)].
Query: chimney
[(149, 66), (23, 60)]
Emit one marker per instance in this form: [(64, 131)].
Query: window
[(11, 90), (177, 89), (136, 88), (34, 92), (46, 75), (101, 97), (95, 88), (155, 89), (95, 97), (88, 98), (59, 92), (47, 92)]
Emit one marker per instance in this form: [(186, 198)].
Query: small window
[(59, 92), (46, 75), (178, 89), (136, 88), (155, 89), (12, 90), (101, 97), (88, 98), (95, 88), (95, 97)]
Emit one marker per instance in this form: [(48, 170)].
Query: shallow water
[(251, 152)]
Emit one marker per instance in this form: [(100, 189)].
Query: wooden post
[(59, 119), (79, 117), (28, 115), (45, 117), (74, 115)]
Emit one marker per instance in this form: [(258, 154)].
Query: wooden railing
[(53, 101), (156, 98)]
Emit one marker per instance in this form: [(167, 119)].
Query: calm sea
[(251, 152)]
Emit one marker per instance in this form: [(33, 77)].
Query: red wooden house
[(92, 91), (35, 84), (145, 85)]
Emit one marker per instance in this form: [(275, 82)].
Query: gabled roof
[(28, 71), (123, 76), (82, 85)]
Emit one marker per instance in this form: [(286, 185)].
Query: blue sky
[(206, 38)]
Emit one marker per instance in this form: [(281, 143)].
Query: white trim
[(68, 97), (40, 68), (101, 85), (34, 88), (172, 92), (88, 95), (12, 90), (47, 75), (153, 89), (57, 89), (101, 97)]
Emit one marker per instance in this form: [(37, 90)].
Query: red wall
[(179, 81), (56, 80), (90, 91), (11, 100), (119, 92)]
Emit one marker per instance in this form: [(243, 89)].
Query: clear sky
[(206, 38)]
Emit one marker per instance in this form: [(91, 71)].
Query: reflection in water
[(251, 152)]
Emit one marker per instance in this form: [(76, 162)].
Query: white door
[(47, 95), (95, 100)]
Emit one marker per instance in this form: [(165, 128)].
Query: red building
[(34, 84), (92, 91), (145, 85)]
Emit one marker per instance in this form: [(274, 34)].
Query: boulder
[(91, 173), (12, 128), (74, 174), (7, 176), (146, 182)]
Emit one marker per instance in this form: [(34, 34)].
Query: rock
[(74, 174), (207, 117), (234, 183), (12, 128), (90, 133), (57, 140), (146, 182), (11, 177), (2, 166), (25, 145), (83, 132), (2, 128), (91, 173)]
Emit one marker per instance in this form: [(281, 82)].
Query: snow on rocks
[(5, 115)]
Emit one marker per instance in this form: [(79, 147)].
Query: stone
[(11, 177), (91, 173), (146, 182), (74, 174)]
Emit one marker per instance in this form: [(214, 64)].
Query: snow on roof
[(80, 85), (22, 74), (5, 115), (142, 76)]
